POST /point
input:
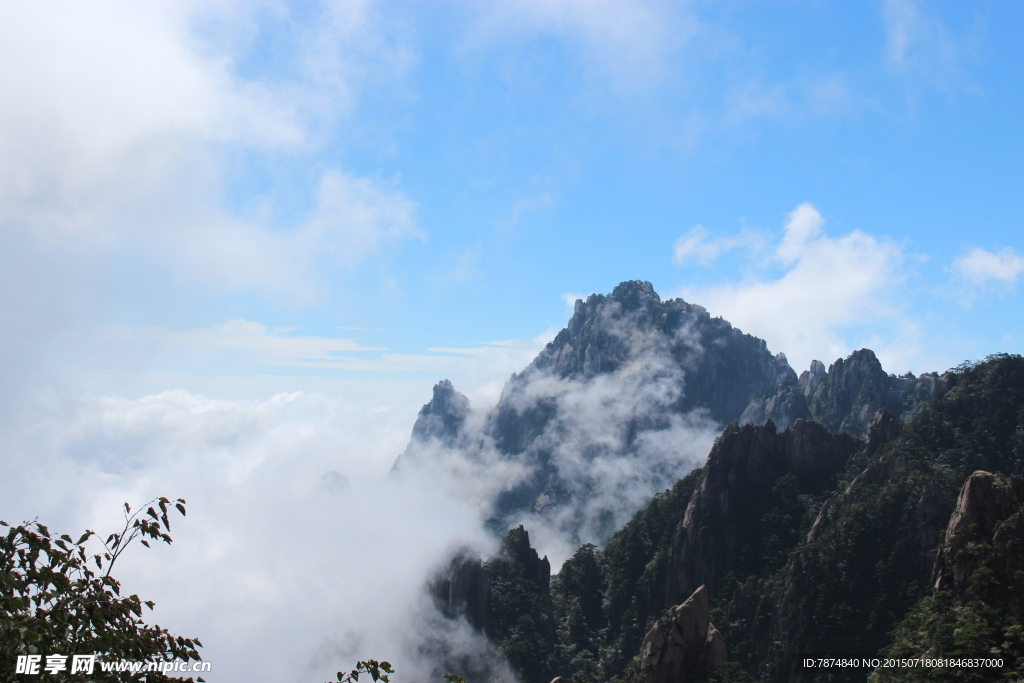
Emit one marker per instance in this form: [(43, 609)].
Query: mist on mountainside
[(627, 400)]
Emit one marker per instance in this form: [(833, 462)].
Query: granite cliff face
[(986, 528), (977, 597), (683, 645)]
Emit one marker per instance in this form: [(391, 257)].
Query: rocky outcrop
[(724, 368), (883, 428), (683, 645), (986, 528), (852, 390), (845, 397), (783, 405), (440, 423), (460, 588), (720, 532), (442, 418), (629, 372), (523, 557)]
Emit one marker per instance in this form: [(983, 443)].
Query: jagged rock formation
[(723, 367), (989, 512), (845, 396), (443, 417), (725, 529), (439, 423), (683, 645), (628, 372), (461, 588), (524, 560)]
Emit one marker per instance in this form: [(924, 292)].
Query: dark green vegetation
[(519, 619), (58, 597), (809, 542)]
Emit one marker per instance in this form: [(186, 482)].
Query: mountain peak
[(635, 293)]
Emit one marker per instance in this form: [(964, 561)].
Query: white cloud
[(271, 559), (921, 46), (696, 245), (804, 224), (624, 46), (117, 124), (980, 266), (243, 358), (828, 285), (120, 130)]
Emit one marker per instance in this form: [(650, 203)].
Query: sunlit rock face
[(985, 529), (683, 645), (624, 401)]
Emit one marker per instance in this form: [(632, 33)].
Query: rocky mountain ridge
[(819, 536), (845, 396), (809, 541), (632, 378)]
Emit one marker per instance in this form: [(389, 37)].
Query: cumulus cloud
[(804, 224), (352, 219), (826, 286), (120, 132), (119, 124)]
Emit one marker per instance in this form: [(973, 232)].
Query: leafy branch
[(381, 671), (53, 598)]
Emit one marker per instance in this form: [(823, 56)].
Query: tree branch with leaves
[(57, 596)]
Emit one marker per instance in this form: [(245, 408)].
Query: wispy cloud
[(981, 273), (920, 46), (624, 47), (980, 266), (698, 245)]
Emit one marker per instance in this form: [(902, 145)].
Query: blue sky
[(442, 175), (240, 241)]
